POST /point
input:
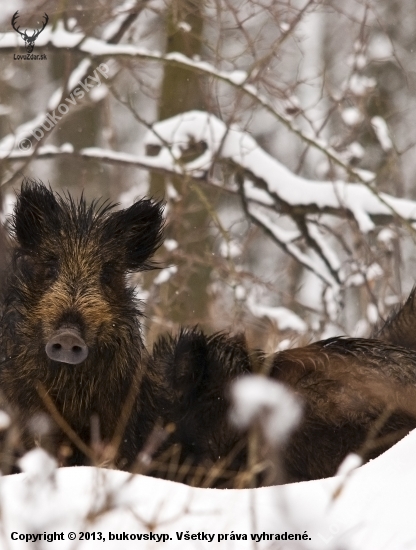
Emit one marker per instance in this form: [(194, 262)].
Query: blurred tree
[(182, 90)]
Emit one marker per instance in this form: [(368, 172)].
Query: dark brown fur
[(193, 393), (69, 267), (345, 384), (400, 327)]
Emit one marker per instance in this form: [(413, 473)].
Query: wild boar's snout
[(66, 346)]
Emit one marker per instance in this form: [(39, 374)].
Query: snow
[(360, 85), (380, 128), (360, 61), (374, 272), (371, 508), (230, 249), (20, 136), (239, 146), (8, 143), (171, 192), (184, 26), (9, 202), (117, 19), (356, 150), (380, 47), (257, 195), (240, 292), (60, 38), (361, 329), (237, 77), (327, 252), (386, 236), (97, 94), (284, 344), (38, 466), (271, 404), (331, 299), (96, 48), (351, 116), (5, 420), (367, 507), (372, 313), (170, 244), (349, 464), (285, 239), (283, 317), (363, 273), (269, 183), (165, 274), (67, 148), (79, 73)]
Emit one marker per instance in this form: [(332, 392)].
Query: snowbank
[(373, 509)]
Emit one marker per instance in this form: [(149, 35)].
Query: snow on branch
[(289, 191), (88, 153), (284, 318), (60, 38), (269, 191), (20, 138), (270, 403), (277, 190)]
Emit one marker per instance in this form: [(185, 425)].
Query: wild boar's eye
[(25, 264), (36, 268), (50, 271)]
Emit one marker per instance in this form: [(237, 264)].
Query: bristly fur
[(196, 374), (346, 385), (400, 327), (68, 269), (69, 265)]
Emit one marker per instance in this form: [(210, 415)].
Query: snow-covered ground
[(371, 509)]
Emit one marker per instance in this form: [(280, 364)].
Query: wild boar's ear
[(140, 229), (36, 211)]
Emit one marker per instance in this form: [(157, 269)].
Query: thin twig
[(63, 424)]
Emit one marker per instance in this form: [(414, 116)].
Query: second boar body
[(71, 331)]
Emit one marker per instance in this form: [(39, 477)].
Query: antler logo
[(29, 40)]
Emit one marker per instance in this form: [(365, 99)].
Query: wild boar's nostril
[(66, 346)]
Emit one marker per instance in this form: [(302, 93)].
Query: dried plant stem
[(63, 424)]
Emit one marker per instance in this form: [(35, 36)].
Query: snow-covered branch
[(269, 190), (21, 136), (276, 189), (289, 192), (60, 38)]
